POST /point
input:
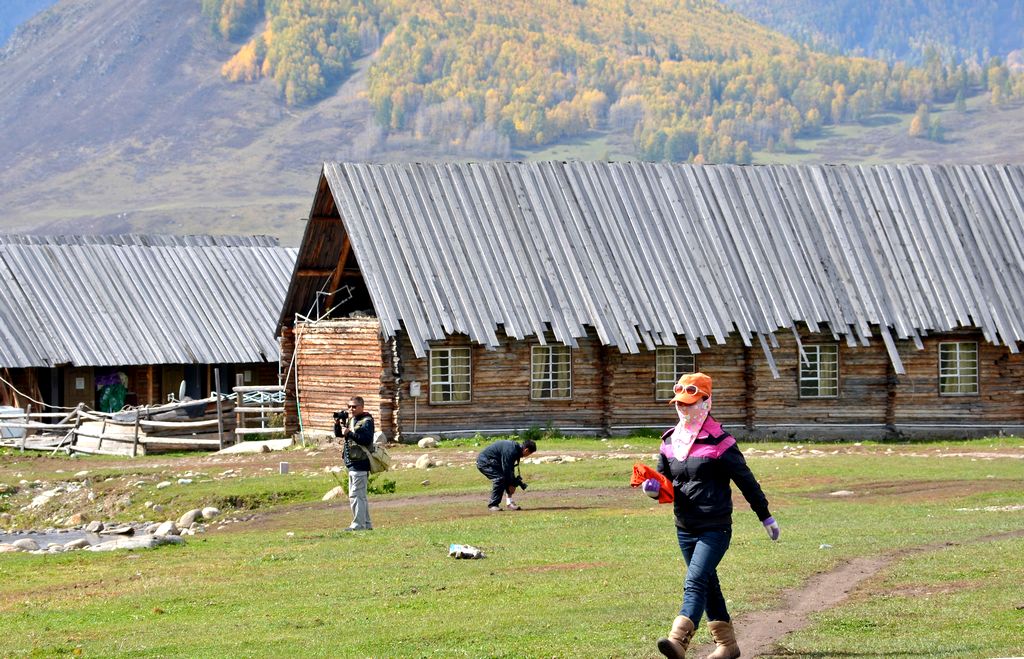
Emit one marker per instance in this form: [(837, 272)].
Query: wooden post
[(749, 390), (24, 433), (891, 381), (152, 386), (220, 411), (239, 402), (103, 429), (78, 423), (135, 443)]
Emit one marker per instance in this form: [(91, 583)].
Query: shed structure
[(830, 301), (79, 312)]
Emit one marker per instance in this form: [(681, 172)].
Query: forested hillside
[(896, 29), (687, 79)]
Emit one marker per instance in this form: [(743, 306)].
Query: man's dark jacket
[(358, 433), (499, 460)]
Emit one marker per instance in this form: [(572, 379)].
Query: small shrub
[(385, 486)]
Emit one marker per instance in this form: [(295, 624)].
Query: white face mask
[(691, 420)]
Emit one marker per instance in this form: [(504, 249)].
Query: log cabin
[(149, 311), (831, 302)]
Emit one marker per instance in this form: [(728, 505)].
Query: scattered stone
[(124, 529), (94, 527), (162, 484), (151, 528), (841, 493), (334, 493), (82, 474), (167, 528), (210, 512), (26, 544), (425, 483), (75, 520), (184, 481), (148, 504), (77, 544), (157, 508), (427, 442), (424, 462), (139, 542), (188, 518), (824, 546), (6, 548)]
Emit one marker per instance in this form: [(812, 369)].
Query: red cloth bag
[(642, 472)]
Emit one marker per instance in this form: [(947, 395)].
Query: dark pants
[(703, 552), (498, 483)]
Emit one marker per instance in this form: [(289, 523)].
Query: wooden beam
[(315, 272), (346, 247)]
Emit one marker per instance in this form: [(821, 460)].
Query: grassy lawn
[(589, 569)]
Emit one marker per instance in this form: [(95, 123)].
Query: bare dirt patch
[(922, 491), (759, 632)]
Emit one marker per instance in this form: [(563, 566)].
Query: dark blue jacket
[(358, 433), (500, 459)]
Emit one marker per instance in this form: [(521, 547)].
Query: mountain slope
[(119, 116), (16, 12), (896, 29)]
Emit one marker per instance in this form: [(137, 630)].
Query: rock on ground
[(210, 512), (334, 493), (26, 544), (186, 520), (427, 442), (424, 462)]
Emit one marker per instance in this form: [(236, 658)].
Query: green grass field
[(590, 568)]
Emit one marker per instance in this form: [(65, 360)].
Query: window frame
[(801, 378), (450, 382), (550, 347), (957, 374), (676, 353)]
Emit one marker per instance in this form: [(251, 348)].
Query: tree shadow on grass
[(878, 120)]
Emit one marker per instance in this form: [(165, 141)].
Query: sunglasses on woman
[(689, 389)]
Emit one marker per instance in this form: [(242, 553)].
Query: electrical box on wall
[(414, 389)]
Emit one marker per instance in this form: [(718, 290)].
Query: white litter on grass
[(991, 509), (464, 551), (824, 546)]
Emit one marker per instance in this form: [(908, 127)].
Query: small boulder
[(841, 493), (210, 512), (26, 544), (424, 462), (184, 481), (82, 474), (427, 442), (334, 493), (165, 529), (95, 526), (75, 520), (76, 544), (124, 529), (6, 548), (162, 484), (188, 518)]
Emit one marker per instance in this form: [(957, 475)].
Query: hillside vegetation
[(687, 79)]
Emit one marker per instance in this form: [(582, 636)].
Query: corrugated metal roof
[(645, 253), (123, 300)]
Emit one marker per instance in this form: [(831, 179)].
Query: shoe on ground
[(494, 509), (512, 505)]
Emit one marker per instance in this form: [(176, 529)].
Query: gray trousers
[(357, 499)]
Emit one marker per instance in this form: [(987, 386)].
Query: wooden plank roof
[(645, 253), (132, 299)]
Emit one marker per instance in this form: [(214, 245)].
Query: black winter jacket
[(499, 460), (358, 434), (703, 498)]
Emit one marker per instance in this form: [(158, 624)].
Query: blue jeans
[(703, 552)]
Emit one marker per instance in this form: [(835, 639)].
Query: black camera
[(521, 484), (341, 416)]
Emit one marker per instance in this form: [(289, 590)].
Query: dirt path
[(761, 631)]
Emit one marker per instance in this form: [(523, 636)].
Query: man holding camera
[(499, 462), (355, 427)]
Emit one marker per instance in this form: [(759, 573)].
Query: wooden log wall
[(291, 409), (338, 359), (872, 402), (501, 392)]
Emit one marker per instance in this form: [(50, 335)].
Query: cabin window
[(550, 373), (958, 369), (670, 365), (819, 375), (450, 375)]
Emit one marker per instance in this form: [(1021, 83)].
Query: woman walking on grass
[(700, 459)]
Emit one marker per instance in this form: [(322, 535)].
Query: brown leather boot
[(674, 647), (725, 640)]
